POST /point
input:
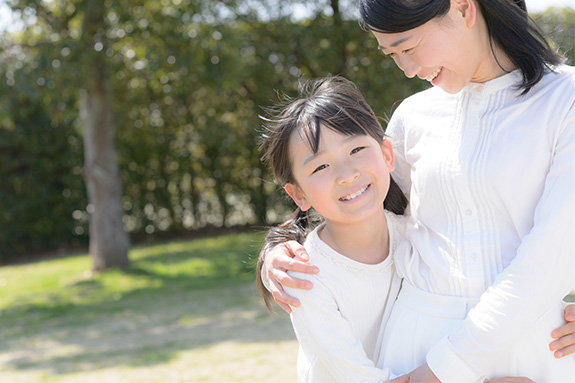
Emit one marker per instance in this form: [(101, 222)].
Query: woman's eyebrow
[(395, 43)]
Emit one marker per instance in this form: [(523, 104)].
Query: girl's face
[(450, 52), (346, 180)]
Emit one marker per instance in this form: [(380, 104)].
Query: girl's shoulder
[(327, 259), (397, 225)]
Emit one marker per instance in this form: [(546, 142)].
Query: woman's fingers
[(281, 277), (564, 343), (278, 262), (512, 379), (282, 299), (570, 312)]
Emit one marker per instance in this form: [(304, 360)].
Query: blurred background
[(133, 201), (187, 80)]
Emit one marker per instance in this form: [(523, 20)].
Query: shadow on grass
[(177, 297)]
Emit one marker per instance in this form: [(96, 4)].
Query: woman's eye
[(356, 150), (321, 167), (409, 50)]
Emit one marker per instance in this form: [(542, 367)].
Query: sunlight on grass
[(170, 317), (50, 288)]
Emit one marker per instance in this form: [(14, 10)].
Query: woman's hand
[(288, 256), (423, 374), (564, 343)]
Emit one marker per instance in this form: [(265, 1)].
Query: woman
[(488, 162)]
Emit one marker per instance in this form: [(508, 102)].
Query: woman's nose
[(409, 67)]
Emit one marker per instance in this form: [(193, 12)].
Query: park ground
[(187, 311)]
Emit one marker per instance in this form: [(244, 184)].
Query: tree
[(78, 28), (109, 242)]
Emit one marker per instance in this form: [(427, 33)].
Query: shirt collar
[(508, 80)]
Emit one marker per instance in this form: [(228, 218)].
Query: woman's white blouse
[(490, 174)]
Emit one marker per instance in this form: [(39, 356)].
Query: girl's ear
[(387, 151), (297, 195)]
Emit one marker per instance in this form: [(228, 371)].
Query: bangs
[(396, 16), (337, 120)]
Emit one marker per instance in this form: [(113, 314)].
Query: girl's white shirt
[(339, 324), (491, 179)]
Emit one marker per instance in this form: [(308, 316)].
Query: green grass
[(179, 302), (57, 287)]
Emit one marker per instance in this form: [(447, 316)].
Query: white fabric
[(339, 322), (491, 180), (419, 321), (423, 320)]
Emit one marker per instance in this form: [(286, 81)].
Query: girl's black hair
[(508, 24), (333, 103)]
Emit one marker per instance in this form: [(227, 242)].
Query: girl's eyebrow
[(320, 152), (395, 43)]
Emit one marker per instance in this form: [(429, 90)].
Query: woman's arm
[(539, 276)]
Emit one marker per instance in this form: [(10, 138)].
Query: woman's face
[(449, 52)]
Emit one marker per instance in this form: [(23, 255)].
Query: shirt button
[(479, 88), (474, 256), (468, 212)]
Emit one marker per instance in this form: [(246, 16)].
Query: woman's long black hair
[(508, 24)]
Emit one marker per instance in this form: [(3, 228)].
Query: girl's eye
[(321, 167), (358, 149), (408, 50)]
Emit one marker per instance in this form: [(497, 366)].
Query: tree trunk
[(340, 38), (109, 243)]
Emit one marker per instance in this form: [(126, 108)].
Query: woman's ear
[(387, 151), (297, 195), (467, 9)]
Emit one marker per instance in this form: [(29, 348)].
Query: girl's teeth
[(353, 195)]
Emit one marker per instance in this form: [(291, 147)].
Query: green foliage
[(190, 79), (558, 24), (40, 163)]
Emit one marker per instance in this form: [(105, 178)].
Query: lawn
[(186, 311)]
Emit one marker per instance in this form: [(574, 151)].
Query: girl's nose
[(347, 174)]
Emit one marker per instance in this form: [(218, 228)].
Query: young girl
[(328, 150)]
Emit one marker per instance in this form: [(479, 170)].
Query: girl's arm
[(327, 338)]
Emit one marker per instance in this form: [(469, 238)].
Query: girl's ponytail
[(395, 201), (295, 228)]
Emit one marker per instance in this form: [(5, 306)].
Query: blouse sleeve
[(396, 135), (541, 274), (324, 333)]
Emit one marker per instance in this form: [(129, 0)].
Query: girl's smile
[(345, 180), (355, 195)]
